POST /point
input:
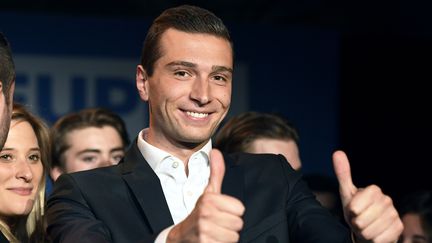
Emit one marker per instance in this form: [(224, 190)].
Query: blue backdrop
[(67, 63)]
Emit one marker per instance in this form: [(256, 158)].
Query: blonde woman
[(23, 166)]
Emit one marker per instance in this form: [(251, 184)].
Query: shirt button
[(189, 193), (175, 164)]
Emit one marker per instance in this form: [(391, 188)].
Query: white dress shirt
[(181, 191)]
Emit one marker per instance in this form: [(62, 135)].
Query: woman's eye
[(34, 157), (6, 157)]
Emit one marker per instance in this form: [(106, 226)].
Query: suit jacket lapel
[(146, 188)]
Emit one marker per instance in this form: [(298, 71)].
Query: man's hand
[(370, 214), (216, 217)]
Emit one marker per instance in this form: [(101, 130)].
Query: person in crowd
[(23, 166), (7, 87), (87, 139), (259, 132), (415, 210), (325, 189), (254, 132), (172, 186)]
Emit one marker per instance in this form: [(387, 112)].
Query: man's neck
[(182, 151)]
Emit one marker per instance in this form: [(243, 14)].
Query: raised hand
[(216, 217), (217, 172), (368, 211)]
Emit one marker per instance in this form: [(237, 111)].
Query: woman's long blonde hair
[(30, 228)]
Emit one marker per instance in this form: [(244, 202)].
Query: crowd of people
[(172, 184)]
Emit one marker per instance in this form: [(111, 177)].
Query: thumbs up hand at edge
[(370, 213)]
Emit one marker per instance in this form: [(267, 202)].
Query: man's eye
[(182, 74), (89, 159), (220, 78), (118, 158)]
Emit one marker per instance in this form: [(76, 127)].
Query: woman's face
[(21, 170)]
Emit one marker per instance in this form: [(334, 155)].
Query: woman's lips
[(23, 191)]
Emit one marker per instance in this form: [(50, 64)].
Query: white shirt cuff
[(162, 237)]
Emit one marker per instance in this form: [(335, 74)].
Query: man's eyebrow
[(117, 149), (215, 68), (182, 63), (89, 151), (420, 237), (221, 69)]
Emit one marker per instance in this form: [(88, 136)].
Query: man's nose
[(201, 91)]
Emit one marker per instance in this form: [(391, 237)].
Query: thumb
[(343, 173), (217, 171)]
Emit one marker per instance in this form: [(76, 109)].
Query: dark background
[(385, 71)]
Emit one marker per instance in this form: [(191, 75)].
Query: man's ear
[(55, 172), (11, 92), (142, 82), (8, 93)]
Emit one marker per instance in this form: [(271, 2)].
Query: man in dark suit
[(7, 87), (172, 187)]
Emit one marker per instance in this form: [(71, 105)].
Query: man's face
[(287, 148), (413, 230), (190, 90), (5, 112), (92, 147)]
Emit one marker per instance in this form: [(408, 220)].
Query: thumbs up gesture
[(216, 217), (368, 211), (217, 172)]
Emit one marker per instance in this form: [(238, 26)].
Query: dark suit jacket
[(3, 238), (125, 203)]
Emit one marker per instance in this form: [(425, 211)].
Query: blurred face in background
[(21, 170), (413, 231), (288, 148), (90, 148)]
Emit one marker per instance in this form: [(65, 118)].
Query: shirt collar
[(154, 156)]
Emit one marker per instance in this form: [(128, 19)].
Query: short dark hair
[(7, 67), (186, 18), (90, 117), (240, 131)]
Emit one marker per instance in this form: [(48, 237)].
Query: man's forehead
[(194, 50), (171, 36)]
